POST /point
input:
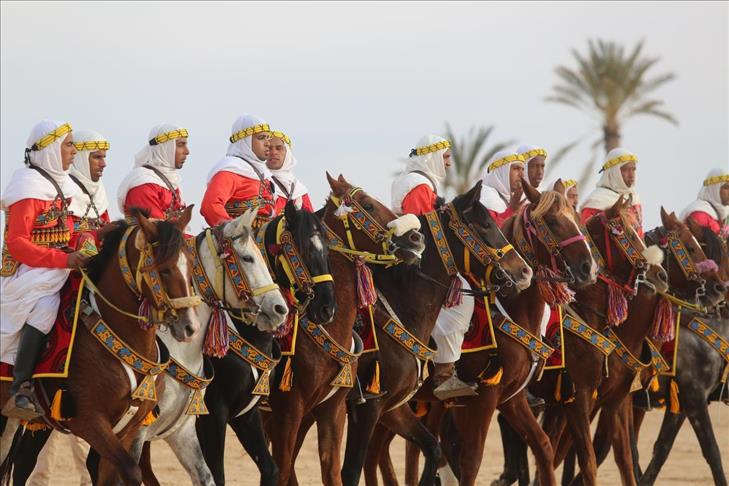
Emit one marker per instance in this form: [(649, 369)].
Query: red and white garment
[(415, 190), (288, 186), (81, 207), (707, 210), (496, 187)]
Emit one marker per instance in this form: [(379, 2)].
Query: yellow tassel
[(421, 408), (56, 405), (496, 379), (655, 386), (149, 419), (594, 394), (374, 386), (287, 378), (558, 388), (675, 406)]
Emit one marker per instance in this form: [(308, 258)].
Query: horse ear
[(249, 217), (185, 218), (666, 219), (148, 227), (473, 195), (339, 187), (559, 187), (531, 193), (291, 214), (629, 201)]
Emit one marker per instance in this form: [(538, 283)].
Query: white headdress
[(611, 184), (241, 147), (709, 197), (86, 142), (496, 188), (425, 166)]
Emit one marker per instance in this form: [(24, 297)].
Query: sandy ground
[(685, 465)]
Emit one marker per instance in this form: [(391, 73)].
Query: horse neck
[(345, 288), (637, 326), (190, 354), (592, 304), (419, 304)]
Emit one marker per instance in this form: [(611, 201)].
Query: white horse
[(173, 424)]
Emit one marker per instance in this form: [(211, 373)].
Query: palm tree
[(611, 86), (470, 155)]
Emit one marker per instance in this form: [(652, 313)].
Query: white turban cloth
[(431, 163), (81, 205), (160, 156), (496, 187), (285, 175), (243, 149), (709, 199), (611, 184), (27, 183)]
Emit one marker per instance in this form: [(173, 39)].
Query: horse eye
[(166, 272), (248, 259), (368, 207)]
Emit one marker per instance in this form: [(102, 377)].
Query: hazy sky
[(357, 84)]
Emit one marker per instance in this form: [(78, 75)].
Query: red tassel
[(365, 285), (216, 338), (145, 310), (663, 330), (553, 292), (617, 306), (284, 330), (454, 296)]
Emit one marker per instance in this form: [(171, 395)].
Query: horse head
[(716, 248), (379, 231)]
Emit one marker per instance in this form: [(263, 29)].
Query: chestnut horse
[(357, 225), (110, 425), (426, 290)]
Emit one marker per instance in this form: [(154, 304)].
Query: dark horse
[(426, 289), (230, 397), (101, 422), (360, 229)]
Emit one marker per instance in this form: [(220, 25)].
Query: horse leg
[(145, 463), (669, 430), (359, 434), (698, 415), (613, 428), (412, 463), (283, 430), (114, 458), (514, 448), (403, 422), (249, 430), (472, 423), (378, 454), (9, 427), (210, 431), (330, 418), (638, 416), (26, 457), (568, 468), (185, 445), (577, 415), (520, 416)]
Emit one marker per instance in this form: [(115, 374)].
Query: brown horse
[(101, 423), (360, 223), (427, 289)]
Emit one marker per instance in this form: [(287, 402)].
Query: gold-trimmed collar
[(508, 159), (622, 159), (92, 145), (46, 140), (247, 132), (710, 181), (433, 147), (167, 136)]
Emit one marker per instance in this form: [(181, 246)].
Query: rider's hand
[(515, 199), (76, 260)]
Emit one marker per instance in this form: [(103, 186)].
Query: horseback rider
[(241, 180), (570, 187), (535, 159), (415, 191), (281, 162), (501, 192), (89, 208), (154, 183), (36, 259), (618, 179), (711, 207)]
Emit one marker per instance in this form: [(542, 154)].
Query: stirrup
[(453, 387), (33, 410)]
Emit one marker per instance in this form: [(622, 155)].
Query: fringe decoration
[(374, 385), (654, 386), (707, 265), (149, 418), (145, 310), (288, 325), (216, 337), (35, 426), (564, 390), (455, 296), (594, 394), (287, 377), (663, 329), (495, 379), (674, 404), (56, 405), (365, 285), (617, 306), (554, 293)]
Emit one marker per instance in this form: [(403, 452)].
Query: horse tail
[(6, 467)]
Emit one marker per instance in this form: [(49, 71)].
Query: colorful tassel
[(454, 296), (675, 405), (287, 377), (655, 386), (663, 322), (56, 405), (617, 306), (284, 330), (594, 394), (553, 292), (365, 285), (495, 379), (216, 337), (145, 311), (374, 385), (35, 426), (149, 418)]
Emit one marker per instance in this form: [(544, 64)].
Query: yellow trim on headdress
[(52, 137), (262, 127), (92, 145), (434, 147), (569, 183), (505, 160), (710, 181), (530, 154), (166, 137), (619, 160), (282, 136)]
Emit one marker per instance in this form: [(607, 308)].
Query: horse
[(360, 230), (452, 227), (119, 339), (233, 396)]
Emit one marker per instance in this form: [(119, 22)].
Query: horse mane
[(302, 233), (549, 199)]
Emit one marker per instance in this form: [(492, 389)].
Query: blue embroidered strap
[(441, 243), (682, 255), (588, 334), (525, 338), (658, 362), (195, 382), (711, 337), (334, 350), (254, 357), (483, 252), (405, 339), (628, 358)]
